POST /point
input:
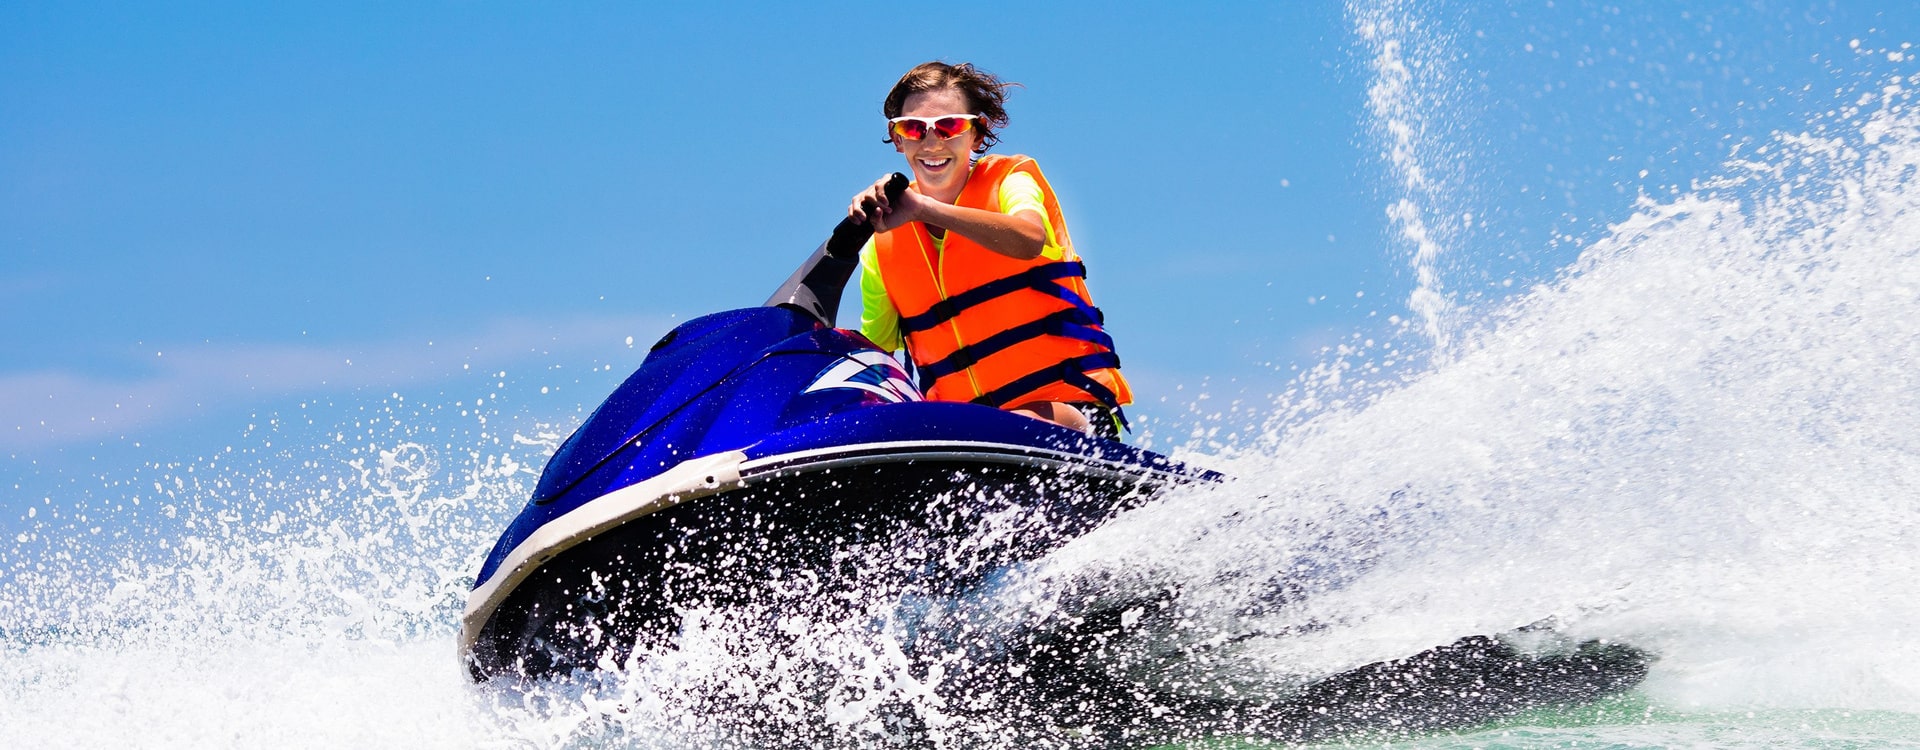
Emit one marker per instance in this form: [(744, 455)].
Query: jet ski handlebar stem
[(815, 289)]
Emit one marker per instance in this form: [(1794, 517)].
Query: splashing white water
[(1406, 96), (268, 597), (1699, 441)]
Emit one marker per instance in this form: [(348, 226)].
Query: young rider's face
[(939, 166)]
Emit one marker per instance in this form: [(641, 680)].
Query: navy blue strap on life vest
[(1107, 397), (1038, 278), (1072, 322), (1073, 372)]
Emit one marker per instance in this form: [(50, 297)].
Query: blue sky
[(264, 193), (217, 210)]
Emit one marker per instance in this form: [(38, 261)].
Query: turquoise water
[(1695, 435)]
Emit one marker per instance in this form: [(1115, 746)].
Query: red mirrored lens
[(948, 127), (911, 130)]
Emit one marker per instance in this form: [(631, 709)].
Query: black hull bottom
[(1057, 682), (1472, 682), (932, 524)]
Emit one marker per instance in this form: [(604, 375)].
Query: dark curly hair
[(986, 95)]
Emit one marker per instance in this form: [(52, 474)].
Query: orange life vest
[(994, 330)]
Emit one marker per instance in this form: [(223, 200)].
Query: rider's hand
[(870, 206)]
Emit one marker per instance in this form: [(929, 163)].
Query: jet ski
[(760, 445)]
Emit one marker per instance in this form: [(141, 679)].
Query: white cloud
[(49, 408)]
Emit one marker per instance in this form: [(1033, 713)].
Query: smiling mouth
[(936, 164)]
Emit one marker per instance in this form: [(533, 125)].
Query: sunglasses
[(944, 126)]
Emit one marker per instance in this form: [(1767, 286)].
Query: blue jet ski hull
[(757, 445)]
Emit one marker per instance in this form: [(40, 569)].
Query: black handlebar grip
[(851, 234)]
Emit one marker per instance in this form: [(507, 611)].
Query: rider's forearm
[(1021, 236)]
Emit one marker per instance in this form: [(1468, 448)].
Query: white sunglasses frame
[(972, 120)]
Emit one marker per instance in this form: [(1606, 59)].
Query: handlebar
[(852, 234)]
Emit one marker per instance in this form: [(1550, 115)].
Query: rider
[(972, 270)]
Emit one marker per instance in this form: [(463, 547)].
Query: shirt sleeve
[(1020, 192), (879, 320)]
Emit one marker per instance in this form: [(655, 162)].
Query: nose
[(932, 144)]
